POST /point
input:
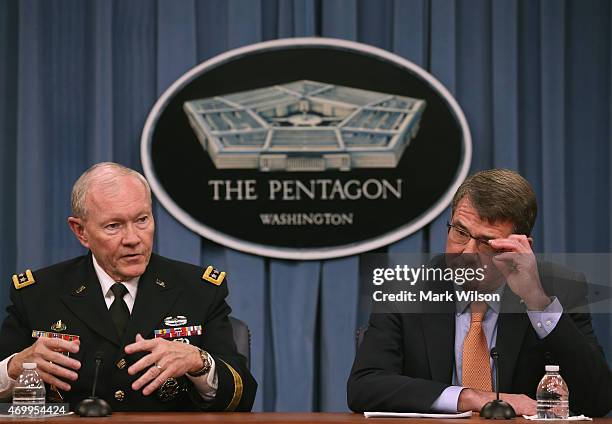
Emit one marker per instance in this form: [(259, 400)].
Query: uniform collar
[(106, 281)]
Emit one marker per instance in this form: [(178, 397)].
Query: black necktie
[(119, 310)]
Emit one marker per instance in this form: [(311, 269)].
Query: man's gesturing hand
[(165, 360), (52, 366), (519, 266)]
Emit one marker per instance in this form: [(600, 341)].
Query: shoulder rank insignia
[(23, 280), (212, 275)]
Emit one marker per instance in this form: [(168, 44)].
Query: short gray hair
[(104, 172)]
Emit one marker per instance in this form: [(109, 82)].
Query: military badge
[(80, 289), (58, 326), (175, 321), (23, 280), (51, 335), (174, 332), (213, 275)]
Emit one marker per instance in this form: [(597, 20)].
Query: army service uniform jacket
[(70, 292)]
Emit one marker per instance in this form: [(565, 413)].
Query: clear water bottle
[(29, 388), (552, 395)]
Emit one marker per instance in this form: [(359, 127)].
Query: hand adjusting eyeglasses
[(461, 236)]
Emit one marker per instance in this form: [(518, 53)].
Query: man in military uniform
[(160, 326)]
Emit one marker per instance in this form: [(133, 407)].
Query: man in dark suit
[(439, 362), (161, 326)]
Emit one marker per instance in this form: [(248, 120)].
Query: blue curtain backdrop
[(77, 79)]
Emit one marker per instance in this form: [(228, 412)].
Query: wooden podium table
[(263, 418)]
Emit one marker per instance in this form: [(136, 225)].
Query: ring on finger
[(159, 368)]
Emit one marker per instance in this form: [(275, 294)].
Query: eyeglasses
[(460, 236)]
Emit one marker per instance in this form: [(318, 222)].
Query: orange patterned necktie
[(476, 365)]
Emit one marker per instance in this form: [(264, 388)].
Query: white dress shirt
[(448, 400)]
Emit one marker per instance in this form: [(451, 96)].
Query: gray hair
[(103, 172)]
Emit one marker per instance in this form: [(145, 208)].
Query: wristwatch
[(206, 360)]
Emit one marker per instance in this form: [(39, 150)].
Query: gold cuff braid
[(237, 388)]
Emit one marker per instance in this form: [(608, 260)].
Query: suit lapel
[(155, 298), (86, 300), (438, 325), (439, 331), (512, 325)]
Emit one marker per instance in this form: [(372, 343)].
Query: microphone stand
[(94, 406), (497, 409)]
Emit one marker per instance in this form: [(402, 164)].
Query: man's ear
[(78, 228), (530, 240)]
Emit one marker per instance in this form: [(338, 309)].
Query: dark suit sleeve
[(574, 347), (15, 334), (377, 381), (237, 387)]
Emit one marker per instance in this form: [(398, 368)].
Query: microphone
[(495, 356), (93, 406), (497, 409)]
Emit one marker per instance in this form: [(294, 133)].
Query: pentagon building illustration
[(305, 126)]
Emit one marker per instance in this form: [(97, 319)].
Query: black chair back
[(359, 336), (242, 338)]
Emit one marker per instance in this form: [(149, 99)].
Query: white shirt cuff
[(6, 382), (206, 384), (447, 401), (544, 322)]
